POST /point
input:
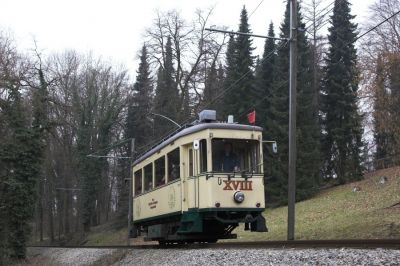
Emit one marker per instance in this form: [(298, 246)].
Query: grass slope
[(334, 213), (339, 212), (112, 233)]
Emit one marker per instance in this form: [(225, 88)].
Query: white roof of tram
[(193, 129)]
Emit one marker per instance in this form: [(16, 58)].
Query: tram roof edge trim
[(194, 129)]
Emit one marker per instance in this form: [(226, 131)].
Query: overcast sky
[(114, 29)]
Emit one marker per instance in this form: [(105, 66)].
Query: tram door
[(188, 171)]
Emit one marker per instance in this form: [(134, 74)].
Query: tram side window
[(160, 171), (148, 177), (203, 156), (190, 162), (173, 165), (138, 182)]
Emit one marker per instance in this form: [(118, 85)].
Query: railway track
[(340, 243)]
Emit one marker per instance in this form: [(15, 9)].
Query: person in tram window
[(228, 161), (174, 172)]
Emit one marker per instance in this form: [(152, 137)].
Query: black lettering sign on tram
[(153, 204)]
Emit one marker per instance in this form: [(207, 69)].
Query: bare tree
[(316, 16), (194, 50), (379, 64)]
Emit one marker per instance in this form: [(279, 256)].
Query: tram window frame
[(173, 161), (248, 158), (159, 166), (148, 176), (138, 182), (203, 155)]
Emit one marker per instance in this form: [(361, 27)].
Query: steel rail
[(334, 243)]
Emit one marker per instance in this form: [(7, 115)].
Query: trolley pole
[(130, 202), (292, 120)]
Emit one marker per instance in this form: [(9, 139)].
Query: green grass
[(334, 213), (112, 233), (341, 213)]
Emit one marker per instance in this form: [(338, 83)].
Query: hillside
[(334, 213), (372, 212)]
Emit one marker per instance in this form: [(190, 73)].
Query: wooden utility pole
[(292, 119)]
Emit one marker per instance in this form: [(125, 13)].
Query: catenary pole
[(292, 110), (130, 202), (292, 120)]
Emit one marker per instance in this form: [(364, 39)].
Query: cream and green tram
[(200, 183)]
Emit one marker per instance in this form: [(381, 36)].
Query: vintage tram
[(198, 184)]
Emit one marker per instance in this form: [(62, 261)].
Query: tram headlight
[(238, 196)]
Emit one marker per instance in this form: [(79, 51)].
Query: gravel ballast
[(205, 256), (263, 257)]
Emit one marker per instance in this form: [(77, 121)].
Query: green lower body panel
[(157, 231), (208, 220), (191, 222), (203, 225)]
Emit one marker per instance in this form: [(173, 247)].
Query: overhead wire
[(377, 25), (319, 13), (259, 4), (222, 94), (357, 38), (232, 86), (283, 83)]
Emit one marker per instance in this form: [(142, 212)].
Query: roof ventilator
[(207, 116)]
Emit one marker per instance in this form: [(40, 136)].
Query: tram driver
[(174, 171), (228, 161)]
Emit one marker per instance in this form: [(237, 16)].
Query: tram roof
[(193, 129)]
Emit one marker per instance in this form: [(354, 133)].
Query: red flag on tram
[(252, 117)]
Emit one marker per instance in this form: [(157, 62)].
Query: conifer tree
[(307, 166), (231, 72), (342, 129), (308, 127), (276, 186), (166, 100), (138, 125), (239, 71), (265, 72), (264, 80), (213, 87), (220, 76)]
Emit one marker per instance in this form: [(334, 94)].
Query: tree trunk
[(50, 217), (41, 218), (67, 206)]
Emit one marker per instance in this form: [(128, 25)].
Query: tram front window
[(233, 155)]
